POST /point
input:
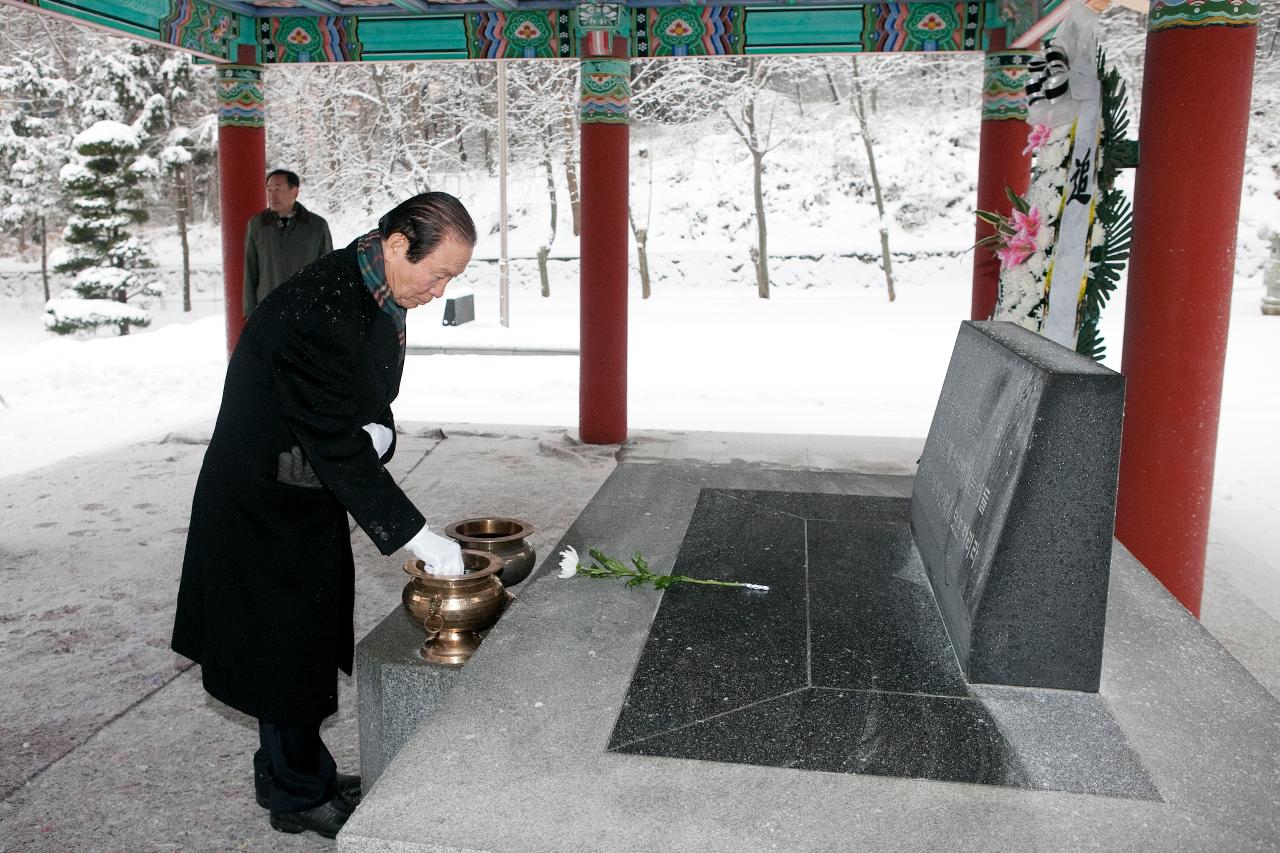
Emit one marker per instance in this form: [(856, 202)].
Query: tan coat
[(272, 253)]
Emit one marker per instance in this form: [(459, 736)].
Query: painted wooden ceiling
[(294, 31)]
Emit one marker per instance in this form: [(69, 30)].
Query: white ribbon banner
[(1065, 90)]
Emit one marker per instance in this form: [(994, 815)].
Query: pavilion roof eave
[(104, 22)]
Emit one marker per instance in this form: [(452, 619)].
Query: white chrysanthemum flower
[(1020, 280), (1055, 152), (1044, 239), (568, 562), (1046, 198)]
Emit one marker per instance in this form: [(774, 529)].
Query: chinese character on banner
[(1064, 94)]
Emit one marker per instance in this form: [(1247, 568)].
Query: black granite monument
[(892, 625), (1013, 506)]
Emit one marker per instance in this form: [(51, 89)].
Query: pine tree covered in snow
[(152, 91), (110, 266), (57, 79)]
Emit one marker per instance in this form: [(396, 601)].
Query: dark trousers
[(293, 769)]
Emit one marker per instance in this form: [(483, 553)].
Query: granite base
[(526, 733)]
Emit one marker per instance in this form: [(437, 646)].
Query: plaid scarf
[(372, 269)]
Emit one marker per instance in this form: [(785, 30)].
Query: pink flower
[(1019, 248), (1027, 224), (1036, 139)]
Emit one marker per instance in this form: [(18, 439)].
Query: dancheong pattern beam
[(295, 31)]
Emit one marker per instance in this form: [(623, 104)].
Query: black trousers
[(293, 769)]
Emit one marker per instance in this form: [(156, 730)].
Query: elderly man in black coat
[(265, 604)]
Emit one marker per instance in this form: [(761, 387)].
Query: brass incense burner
[(504, 538), (455, 610)]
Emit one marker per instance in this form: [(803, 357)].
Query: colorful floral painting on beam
[(606, 91), (1003, 97), (327, 38), (689, 31), (240, 97), (902, 27), (199, 26), (1171, 14), (519, 35)]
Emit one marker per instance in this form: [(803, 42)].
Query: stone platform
[(541, 743)]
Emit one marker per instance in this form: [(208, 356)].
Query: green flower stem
[(608, 567)]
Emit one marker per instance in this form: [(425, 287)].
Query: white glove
[(441, 555), (381, 438)]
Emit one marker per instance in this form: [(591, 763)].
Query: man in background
[(281, 240)]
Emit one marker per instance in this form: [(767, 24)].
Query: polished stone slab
[(873, 623), (702, 634), (844, 665), (852, 731), (1014, 506)]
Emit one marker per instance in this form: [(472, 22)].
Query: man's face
[(417, 284), (280, 196)]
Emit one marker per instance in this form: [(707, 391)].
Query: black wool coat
[(265, 602)]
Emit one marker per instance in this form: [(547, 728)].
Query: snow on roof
[(107, 132)]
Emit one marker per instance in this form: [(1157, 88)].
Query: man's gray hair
[(425, 220)]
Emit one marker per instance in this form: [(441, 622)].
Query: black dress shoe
[(347, 786), (325, 819)]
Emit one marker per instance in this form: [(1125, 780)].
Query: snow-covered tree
[(179, 132), (179, 160), (664, 95), (371, 133), (541, 110), (56, 79), (118, 83), (33, 146), (152, 92), (110, 266), (751, 115), (1264, 130)]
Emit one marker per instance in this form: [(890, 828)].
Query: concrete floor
[(108, 742)]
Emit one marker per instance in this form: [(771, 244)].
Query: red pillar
[(1186, 205), (1001, 163), (602, 391), (242, 165)]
